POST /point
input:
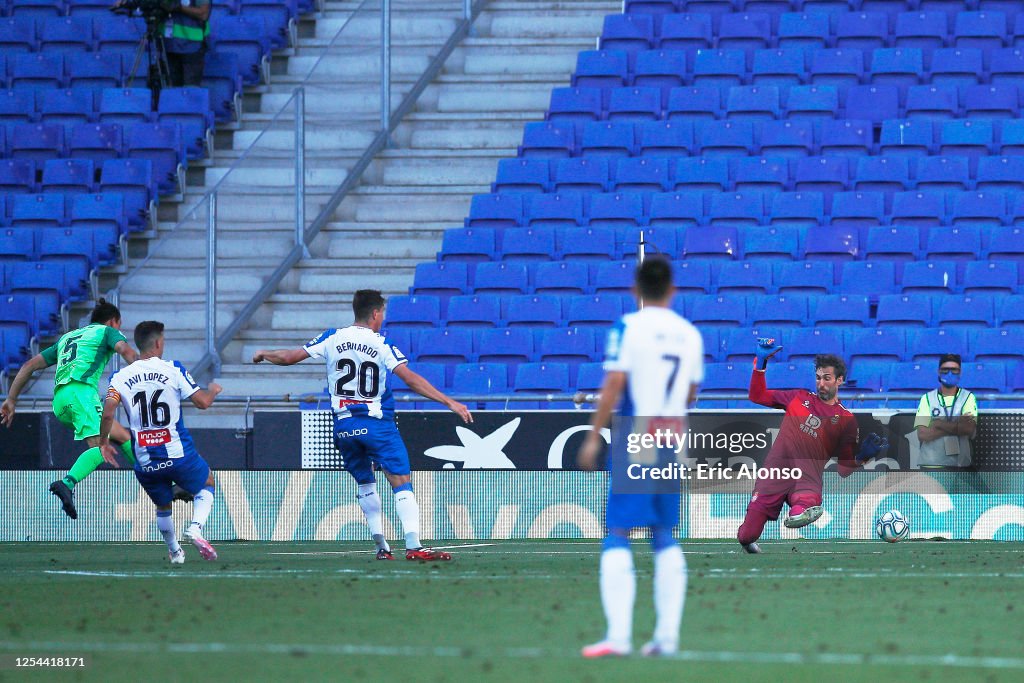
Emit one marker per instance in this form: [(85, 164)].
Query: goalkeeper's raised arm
[(759, 392)]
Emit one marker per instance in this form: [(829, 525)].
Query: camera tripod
[(158, 76)]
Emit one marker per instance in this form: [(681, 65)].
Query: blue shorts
[(160, 474), (365, 441), (628, 510)]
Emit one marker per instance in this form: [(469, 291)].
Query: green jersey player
[(80, 356)]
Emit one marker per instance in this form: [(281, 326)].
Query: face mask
[(949, 379)]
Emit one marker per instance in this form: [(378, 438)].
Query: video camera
[(153, 11)]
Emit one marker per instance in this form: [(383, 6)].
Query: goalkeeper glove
[(871, 447), (766, 348)]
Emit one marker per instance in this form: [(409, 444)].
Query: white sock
[(165, 523), (201, 506), (618, 592), (669, 594), (409, 513), (372, 509)]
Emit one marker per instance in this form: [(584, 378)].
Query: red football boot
[(427, 555)]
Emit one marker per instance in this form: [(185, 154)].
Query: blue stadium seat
[(660, 69), (66, 107), (530, 244), (495, 211), (561, 209), (864, 31), (17, 35), (1012, 139), (991, 102), (522, 175), (736, 344), (16, 244), (982, 30), (836, 243), (892, 243), (469, 245), (588, 174), (37, 71), (931, 102), (910, 377), (37, 210), (806, 31), (162, 145), (808, 277), (103, 215), (747, 31), (481, 379), (36, 141), (904, 310), (724, 378), (827, 175), (278, 18), (653, 7), (664, 138), (222, 76), (921, 209), (842, 310), (500, 278), (929, 276), (543, 378), (66, 35), (548, 139), (735, 208), (840, 68), (68, 175), (846, 138), (607, 138), (965, 311), (133, 179), (119, 35), (532, 310), (787, 139), (874, 103), (17, 175), (575, 104), (1011, 311), (694, 104), (567, 345), (1006, 244), (858, 209), (790, 375), (617, 209), (189, 108), (718, 311), (988, 377), (600, 69), (37, 276), (997, 345), (772, 243), (957, 243), (445, 345), (1007, 67), (628, 32), (902, 137), (74, 250), (781, 311), (506, 345), (922, 30), (761, 174), (16, 107), (640, 174), (414, 311), (899, 67), (679, 208), (634, 104), (38, 10), (701, 174), (779, 68), (942, 174), (719, 68), (691, 277), (474, 310), (587, 244), (440, 279), (866, 375), (994, 277), (88, 8), (979, 208), (1000, 173), (589, 377), (434, 373), (615, 277), (594, 310), (805, 344), (246, 38), (686, 32), (657, 240), (813, 102), (798, 208), (868, 277), (402, 339), (125, 106), (927, 344), (882, 174), (959, 67), (876, 343), (98, 141), (726, 138), (745, 277)]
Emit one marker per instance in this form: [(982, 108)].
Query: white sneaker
[(178, 557), (653, 648), (202, 545), (605, 648), (808, 516)]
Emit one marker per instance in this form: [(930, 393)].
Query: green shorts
[(78, 406)]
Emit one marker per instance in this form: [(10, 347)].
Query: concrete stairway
[(471, 116)]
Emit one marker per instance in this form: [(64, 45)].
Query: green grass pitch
[(509, 611)]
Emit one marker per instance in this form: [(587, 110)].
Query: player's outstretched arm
[(126, 352), (204, 398), (611, 391), (25, 372), (424, 388), (280, 356)]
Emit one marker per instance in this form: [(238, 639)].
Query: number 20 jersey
[(359, 364), (151, 392)]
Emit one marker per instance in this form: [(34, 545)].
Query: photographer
[(184, 26)]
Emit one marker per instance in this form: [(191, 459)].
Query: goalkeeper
[(815, 428)]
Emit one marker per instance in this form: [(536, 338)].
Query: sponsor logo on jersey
[(343, 402), (811, 425), (154, 437), (835, 419), (160, 466), (355, 432)]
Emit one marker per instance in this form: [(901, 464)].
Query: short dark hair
[(654, 277), (830, 360), (104, 311), (947, 357), (146, 334), (366, 301)]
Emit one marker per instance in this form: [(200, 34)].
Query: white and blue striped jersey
[(359, 362), (662, 354), (151, 392)]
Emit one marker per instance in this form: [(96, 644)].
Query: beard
[(827, 395)]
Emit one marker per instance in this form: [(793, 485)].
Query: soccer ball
[(892, 526)]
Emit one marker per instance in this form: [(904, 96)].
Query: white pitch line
[(716, 656), (370, 552)]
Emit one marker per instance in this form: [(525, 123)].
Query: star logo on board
[(476, 452)]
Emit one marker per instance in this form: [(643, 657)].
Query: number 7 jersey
[(151, 392), (359, 364)]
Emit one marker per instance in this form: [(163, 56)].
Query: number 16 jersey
[(151, 392), (359, 364)]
